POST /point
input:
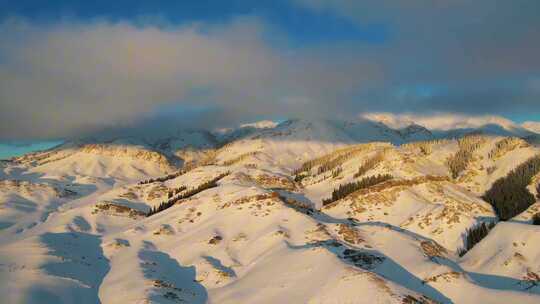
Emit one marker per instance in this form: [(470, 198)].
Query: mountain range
[(372, 210)]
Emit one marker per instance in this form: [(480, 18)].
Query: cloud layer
[(477, 56), (71, 77), (441, 121), (68, 78)]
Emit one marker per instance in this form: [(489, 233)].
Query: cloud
[(440, 121), (68, 78), (448, 38), (482, 53), (74, 77), (533, 126)]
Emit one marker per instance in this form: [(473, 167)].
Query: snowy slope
[(533, 126), (73, 225)]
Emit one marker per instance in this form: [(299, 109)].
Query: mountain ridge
[(106, 221)]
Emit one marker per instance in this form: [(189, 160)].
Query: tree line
[(536, 216), (458, 162), (187, 194), (343, 153), (163, 178), (506, 145), (369, 164), (330, 161), (474, 235), (425, 147), (509, 195), (187, 167), (239, 158), (536, 219), (346, 189), (175, 191), (337, 172)]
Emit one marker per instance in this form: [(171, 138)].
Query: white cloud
[(533, 126), (78, 76), (440, 121), (68, 78), (63, 79)]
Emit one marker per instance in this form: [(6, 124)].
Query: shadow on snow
[(80, 263), (171, 280)]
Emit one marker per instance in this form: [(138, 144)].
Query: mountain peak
[(533, 126)]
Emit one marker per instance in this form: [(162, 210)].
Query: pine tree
[(189, 193), (509, 195), (459, 161), (536, 219), (337, 172), (474, 235), (346, 189), (369, 164)]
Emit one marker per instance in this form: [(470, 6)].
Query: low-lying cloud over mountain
[(532, 126), (74, 77), (439, 122), (67, 76)]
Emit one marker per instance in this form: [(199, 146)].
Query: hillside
[(257, 215)]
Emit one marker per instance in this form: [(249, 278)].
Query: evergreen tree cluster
[(346, 189), (506, 145), (536, 219), (458, 162), (337, 172), (187, 167), (173, 192), (369, 164), (490, 170), (536, 216), (239, 158), (163, 178), (187, 194), (310, 164), (330, 165), (474, 235), (332, 160), (340, 159), (300, 176), (509, 195), (425, 147)]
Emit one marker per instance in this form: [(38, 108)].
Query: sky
[(12, 149), (72, 68)]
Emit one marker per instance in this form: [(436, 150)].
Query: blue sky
[(12, 149), (302, 25), (72, 68)]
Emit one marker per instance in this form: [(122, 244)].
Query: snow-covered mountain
[(454, 125), (256, 214), (533, 126)]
